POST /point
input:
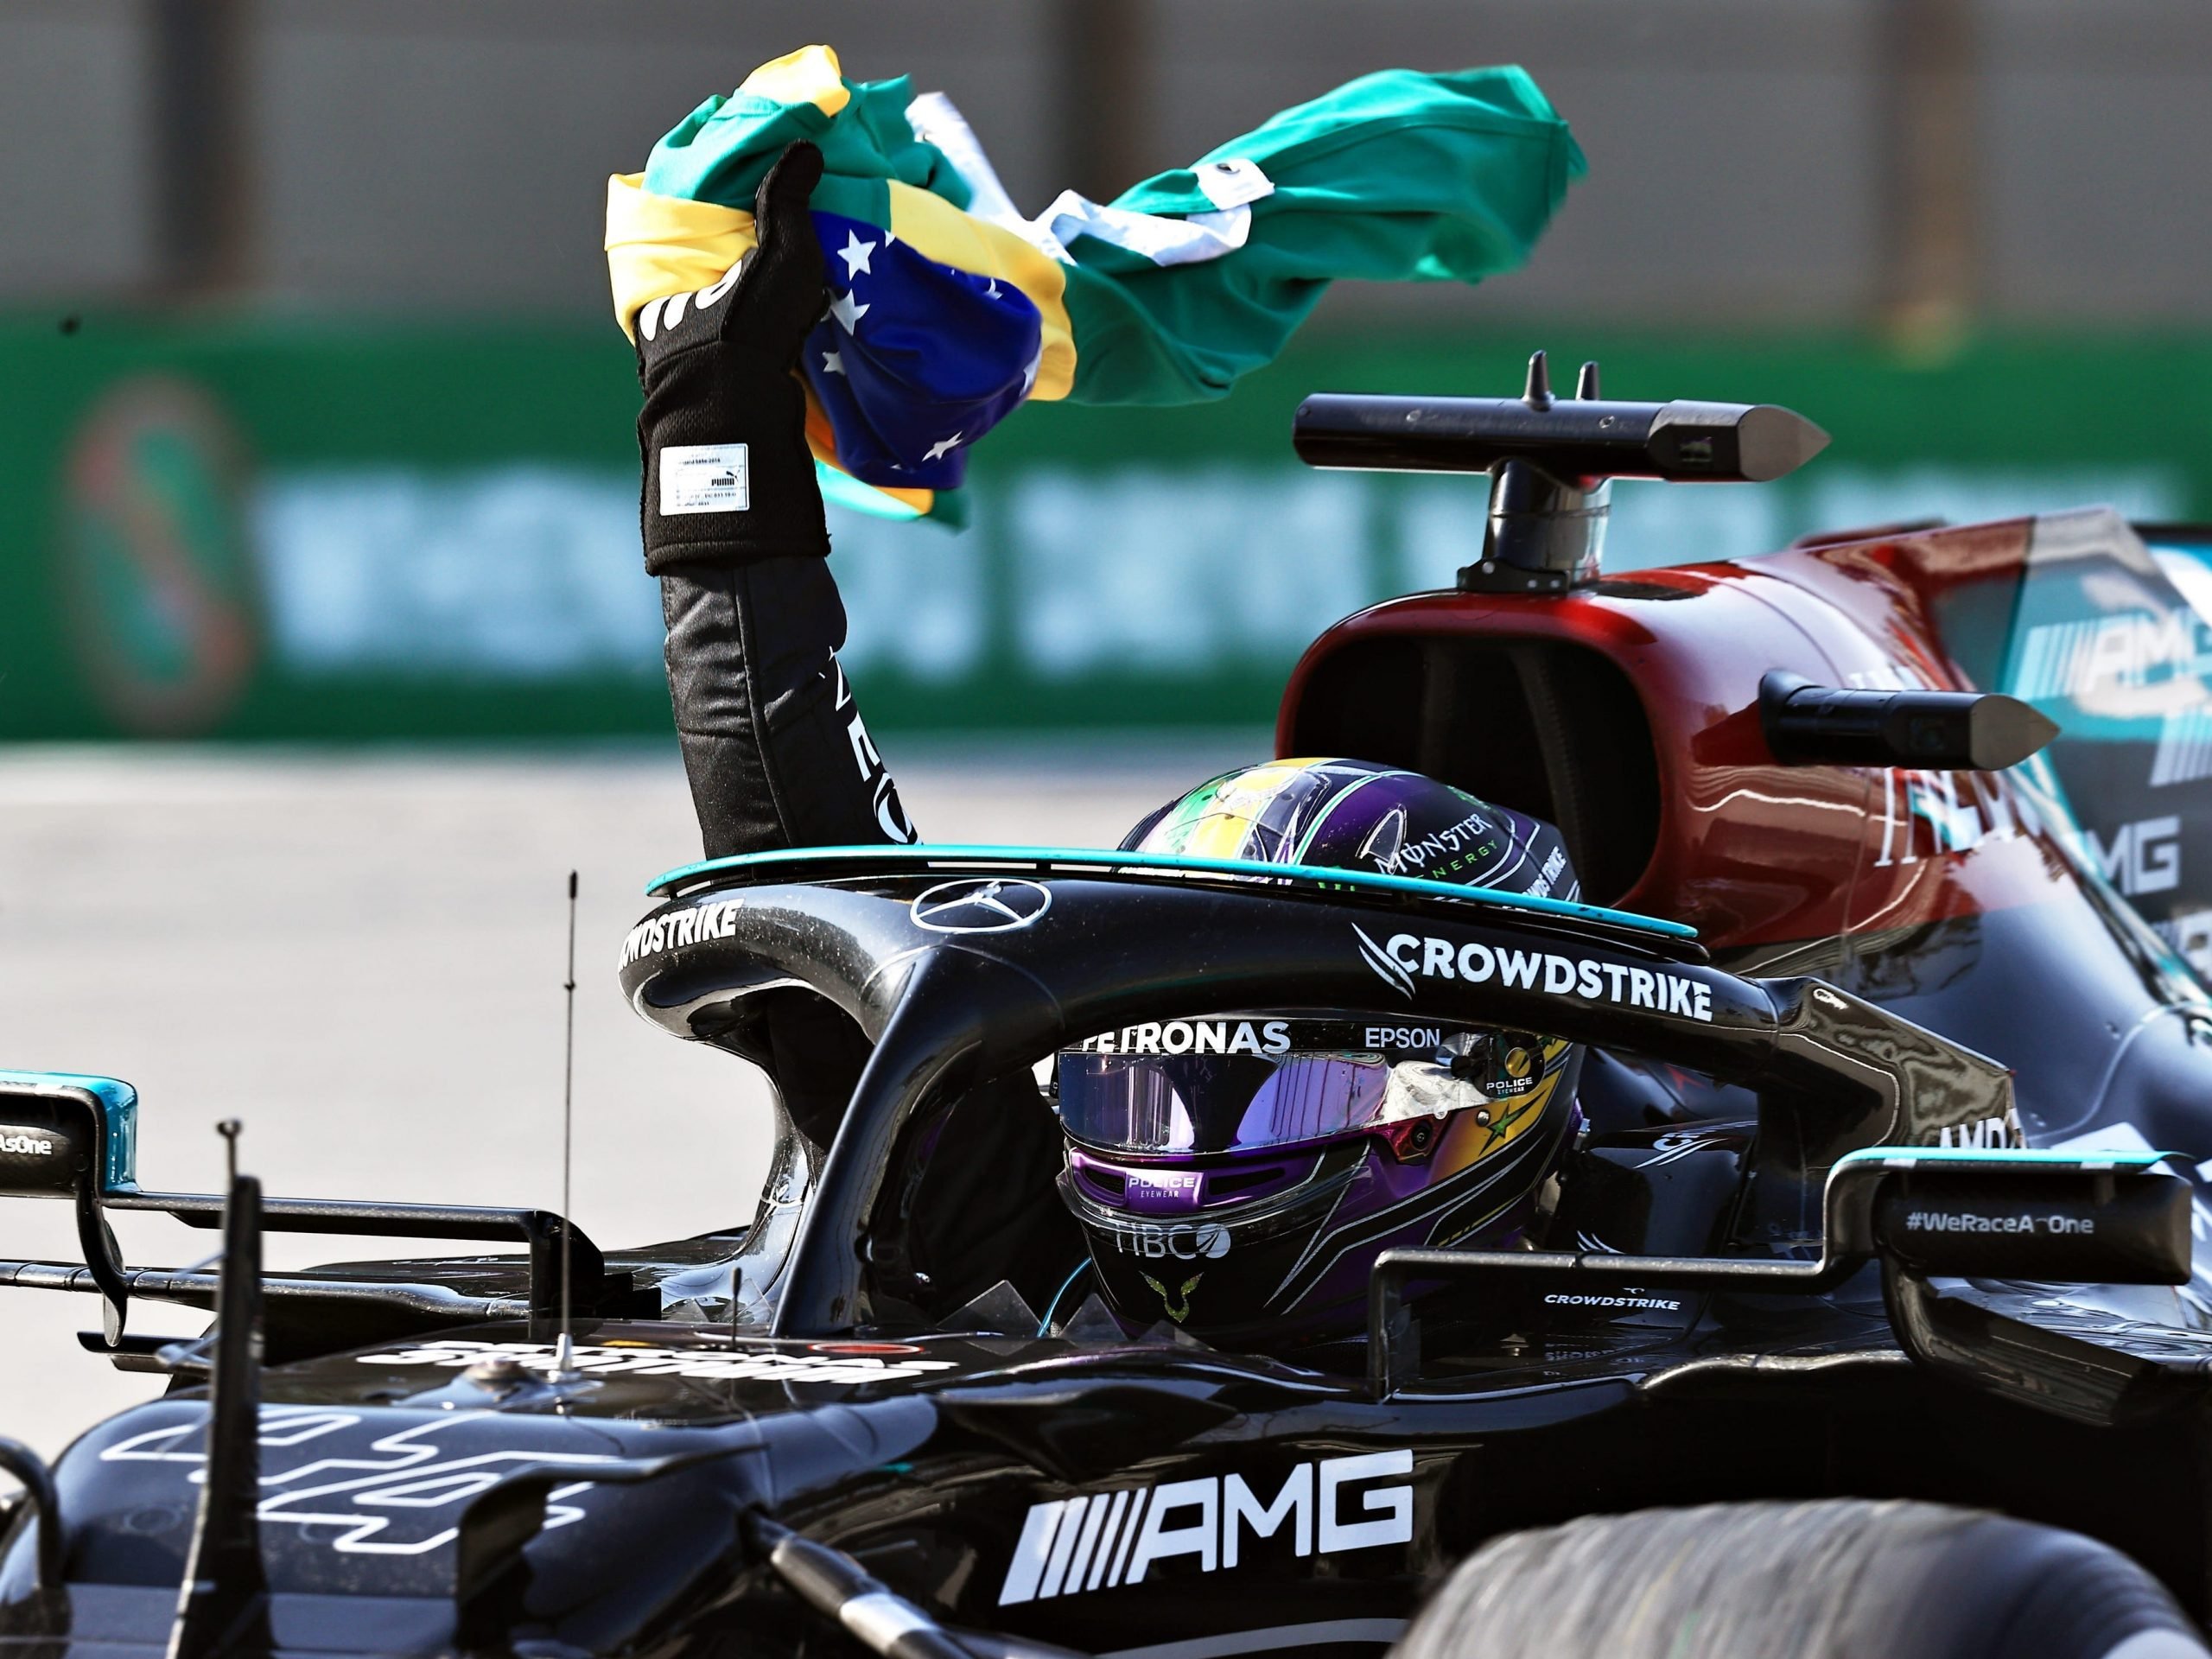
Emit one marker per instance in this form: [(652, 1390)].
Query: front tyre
[(1843, 1579)]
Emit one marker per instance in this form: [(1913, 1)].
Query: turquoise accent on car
[(118, 1106), (1077, 859), (2030, 1155)]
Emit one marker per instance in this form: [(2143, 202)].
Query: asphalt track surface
[(360, 955)]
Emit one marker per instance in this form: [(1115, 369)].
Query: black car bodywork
[(1745, 1330)]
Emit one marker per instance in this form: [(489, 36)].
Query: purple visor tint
[(1211, 1102)]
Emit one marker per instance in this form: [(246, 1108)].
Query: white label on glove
[(704, 478)]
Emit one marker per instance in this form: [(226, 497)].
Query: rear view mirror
[(2053, 1219), (57, 1130)]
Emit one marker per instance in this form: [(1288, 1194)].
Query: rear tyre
[(1844, 1579)]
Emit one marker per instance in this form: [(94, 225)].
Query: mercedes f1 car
[(1871, 1315)]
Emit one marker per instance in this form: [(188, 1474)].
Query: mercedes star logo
[(976, 905)]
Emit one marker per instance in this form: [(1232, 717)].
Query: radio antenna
[(565, 1348)]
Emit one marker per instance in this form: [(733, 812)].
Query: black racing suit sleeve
[(774, 744), (778, 757)]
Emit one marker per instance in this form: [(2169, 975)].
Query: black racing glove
[(728, 478)]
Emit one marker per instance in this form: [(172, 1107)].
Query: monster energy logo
[(1177, 1306)]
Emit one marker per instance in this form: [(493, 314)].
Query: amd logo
[(1986, 1134)]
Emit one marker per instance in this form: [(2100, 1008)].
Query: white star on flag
[(991, 289), (832, 363), (1029, 374), (938, 449), (847, 312), (855, 254)]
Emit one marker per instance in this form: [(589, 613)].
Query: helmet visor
[(1210, 1103), (1241, 1084)]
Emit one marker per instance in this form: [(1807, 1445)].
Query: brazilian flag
[(950, 309)]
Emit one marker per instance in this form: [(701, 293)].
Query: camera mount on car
[(1551, 460)]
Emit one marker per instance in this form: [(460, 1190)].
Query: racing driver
[(1234, 1175)]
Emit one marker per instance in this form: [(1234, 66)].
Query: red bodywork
[(1747, 850)]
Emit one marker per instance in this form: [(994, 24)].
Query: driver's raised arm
[(772, 742), (773, 745)]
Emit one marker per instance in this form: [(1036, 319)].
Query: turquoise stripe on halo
[(1079, 858)]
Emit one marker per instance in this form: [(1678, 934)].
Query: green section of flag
[(720, 151), (1395, 177)]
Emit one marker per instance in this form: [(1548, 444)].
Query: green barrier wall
[(280, 529)]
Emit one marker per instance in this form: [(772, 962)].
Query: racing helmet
[(1238, 1174)]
